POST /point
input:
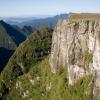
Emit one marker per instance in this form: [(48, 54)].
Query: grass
[(88, 58), (59, 88), (32, 51)]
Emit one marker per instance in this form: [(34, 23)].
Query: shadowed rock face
[(76, 45), (10, 38), (5, 54), (15, 34)]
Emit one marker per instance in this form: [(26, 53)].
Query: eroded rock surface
[(76, 45)]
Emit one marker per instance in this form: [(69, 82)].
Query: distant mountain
[(27, 30), (30, 24), (43, 22), (14, 20), (23, 30), (10, 38), (15, 34)]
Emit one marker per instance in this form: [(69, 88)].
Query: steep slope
[(25, 33), (10, 38), (41, 84), (33, 50), (76, 46), (15, 35), (5, 40), (28, 30)]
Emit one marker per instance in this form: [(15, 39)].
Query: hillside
[(10, 38), (41, 84), (33, 50), (15, 34)]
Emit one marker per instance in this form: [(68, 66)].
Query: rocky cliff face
[(76, 46)]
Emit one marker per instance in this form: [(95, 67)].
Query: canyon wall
[(76, 46)]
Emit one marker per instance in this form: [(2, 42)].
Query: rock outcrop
[(76, 46)]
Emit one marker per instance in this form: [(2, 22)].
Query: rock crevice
[(76, 46)]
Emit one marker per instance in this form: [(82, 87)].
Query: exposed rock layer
[(76, 45)]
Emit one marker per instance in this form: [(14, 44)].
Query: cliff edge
[(76, 46)]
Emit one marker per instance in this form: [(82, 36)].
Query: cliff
[(70, 72), (76, 46)]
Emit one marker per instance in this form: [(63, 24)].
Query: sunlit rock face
[(76, 46), (75, 73)]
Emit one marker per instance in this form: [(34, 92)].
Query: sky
[(46, 7)]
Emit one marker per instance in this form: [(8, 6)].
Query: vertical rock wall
[(76, 46)]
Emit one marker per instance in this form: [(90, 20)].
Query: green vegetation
[(13, 35), (88, 58), (33, 50), (5, 39), (49, 86)]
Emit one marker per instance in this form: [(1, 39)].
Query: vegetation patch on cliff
[(88, 58)]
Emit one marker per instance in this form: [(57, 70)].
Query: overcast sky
[(46, 7)]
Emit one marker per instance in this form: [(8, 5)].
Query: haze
[(46, 7)]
